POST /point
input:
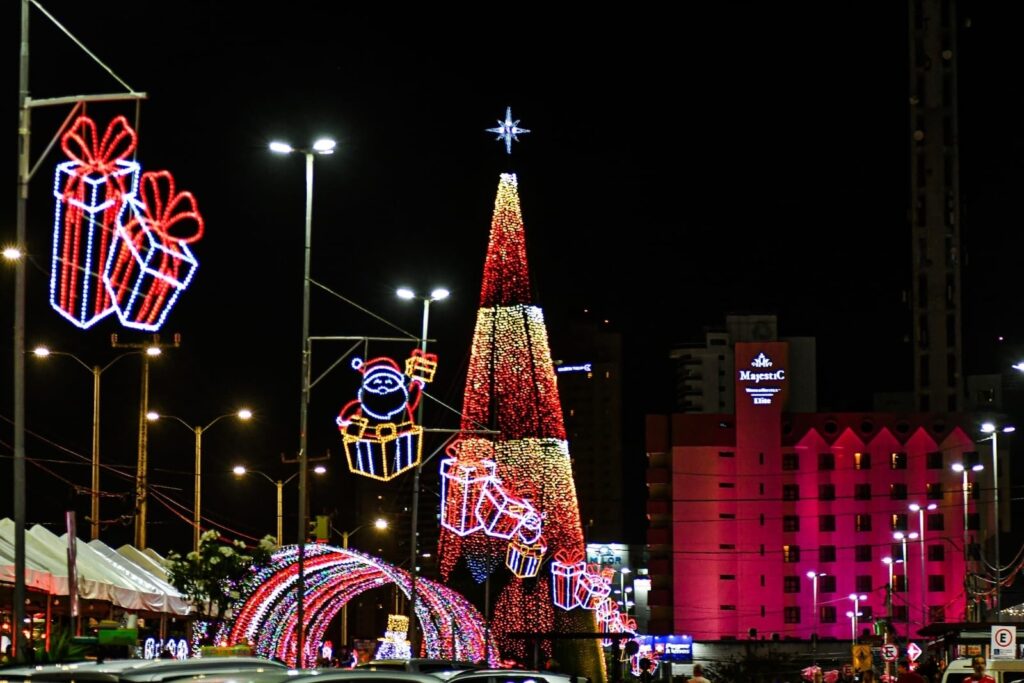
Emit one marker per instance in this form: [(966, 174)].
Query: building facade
[(745, 508)]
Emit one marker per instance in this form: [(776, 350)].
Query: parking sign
[(1004, 642)]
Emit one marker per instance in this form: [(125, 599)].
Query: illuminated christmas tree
[(510, 387)]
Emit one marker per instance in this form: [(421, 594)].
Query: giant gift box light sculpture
[(113, 245), (510, 387), (377, 428)]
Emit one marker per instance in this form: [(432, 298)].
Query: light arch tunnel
[(266, 612)]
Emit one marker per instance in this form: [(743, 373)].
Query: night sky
[(681, 166)]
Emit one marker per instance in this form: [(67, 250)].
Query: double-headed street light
[(813, 576), (321, 146), (243, 414), (380, 524), (889, 562), (436, 295), (96, 371), (914, 507), (993, 430), (962, 467), (241, 470), (857, 598)]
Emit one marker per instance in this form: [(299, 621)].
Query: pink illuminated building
[(745, 507)]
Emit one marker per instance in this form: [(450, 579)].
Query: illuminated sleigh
[(382, 451)]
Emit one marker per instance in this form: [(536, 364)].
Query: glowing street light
[(993, 430), (813, 576), (243, 414), (914, 507), (857, 598), (241, 470)]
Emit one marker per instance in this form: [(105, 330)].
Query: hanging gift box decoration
[(607, 609), (462, 486), (90, 191), (566, 568), (150, 263), (523, 559), (500, 513), (421, 365), (381, 439), (591, 589)]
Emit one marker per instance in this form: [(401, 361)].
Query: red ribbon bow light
[(99, 155)]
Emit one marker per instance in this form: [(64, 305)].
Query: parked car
[(515, 676), (439, 668), (323, 676), (140, 670)]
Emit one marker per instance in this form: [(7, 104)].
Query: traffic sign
[(890, 652), (913, 651), (861, 657), (1004, 642)]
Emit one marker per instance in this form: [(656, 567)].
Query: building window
[(862, 461), (762, 580), (863, 583), (826, 492), (898, 522), (760, 488), (727, 546), (936, 553), (790, 492), (862, 522), (827, 584), (937, 583), (899, 461), (934, 460), (791, 615), (791, 584), (899, 613), (827, 553), (726, 577), (791, 523), (760, 519), (726, 454), (866, 612), (935, 491), (790, 462), (827, 523), (973, 521), (936, 613), (790, 553), (726, 485), (862, 553), (898, 491), (827, 613), (727, 608), (826, 461), (899, 583), (862, 491), (936, 522), (727, 515)]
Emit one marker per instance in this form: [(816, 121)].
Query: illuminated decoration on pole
[(90, 191), (150, 263), (119, 243), (394, 644), (507, 130), (266, 611), (378, 430), (511, 388)]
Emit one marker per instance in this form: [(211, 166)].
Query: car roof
[(137, 669), (323, 676)]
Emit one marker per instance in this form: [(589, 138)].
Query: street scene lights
[(994, 430), (240, 470), (813, 576), (857, 598), (437, 294), (321, 146), (243, 414), (914, 507), (380, 524), (96, 371), (889, 562)]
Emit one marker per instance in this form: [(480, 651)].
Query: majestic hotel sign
[(762, 381)]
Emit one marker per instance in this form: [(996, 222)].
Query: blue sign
[(668, 648)]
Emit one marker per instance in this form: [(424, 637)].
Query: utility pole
[(149, 349)]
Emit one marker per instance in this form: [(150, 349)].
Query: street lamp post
[(279, 484), (436, 295), (243, 414), (321, 146), (813, 576), (914, 507), (990, 428), (889, 562), (855, 613), (961, 467), (622, 588), (902, 538), (379, 524), (96, 371)]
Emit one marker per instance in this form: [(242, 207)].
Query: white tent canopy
[(125, 579)]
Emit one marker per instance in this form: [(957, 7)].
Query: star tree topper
[(508, 130)]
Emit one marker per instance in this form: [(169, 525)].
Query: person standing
[(979, 676), (698, 675)]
